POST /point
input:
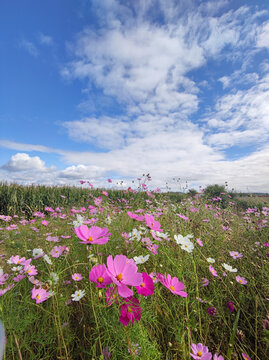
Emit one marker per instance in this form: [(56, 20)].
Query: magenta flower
[(199, 242), (130, 311), (173, 284), (235, 254), (39, 295), (93, 235), (99, 275), (147, 286), (245, 356), (77, 277), (241, 280), (123, 272), (153, 224), (200, 352), (111, 295), (213, 271), (45, 222), (230, 306), (211, 311)]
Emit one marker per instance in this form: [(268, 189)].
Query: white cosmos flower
[(17, 268), (78, 295), (47, 259), (180, 239), (141, 259), (135, 235), (229, 268), (79, 221), (38, 252), (187, 246), (210, 260)]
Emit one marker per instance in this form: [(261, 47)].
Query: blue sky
[(98, 89)]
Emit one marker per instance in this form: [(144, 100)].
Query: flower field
[(126, 275)]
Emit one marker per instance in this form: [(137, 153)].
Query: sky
[(91, 90)]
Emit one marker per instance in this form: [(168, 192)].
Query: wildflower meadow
[(134, 274)]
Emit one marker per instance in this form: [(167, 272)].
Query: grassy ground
[(60, 328)]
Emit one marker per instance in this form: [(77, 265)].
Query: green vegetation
[(60, 328)]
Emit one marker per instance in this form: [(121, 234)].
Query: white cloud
[(80, 172), (24, 162), (263, 36), (45, 39), (29, 47), (241, 117)]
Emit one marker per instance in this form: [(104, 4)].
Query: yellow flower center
[(119, 277), (240, 281), (100, 280), (114, 296), (172, 288), (90, 239), (37, 296), (199, 353), (129, 309), (142, 285)]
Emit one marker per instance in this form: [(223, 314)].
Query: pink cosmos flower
[(153, 224), (135, 217), (99, 275), (200, 352), (44, 222), (105, 193), (173, 284), (199, 242), (77, 277), (130, 311), (30, 270), (213, 271), (235, 254), (155, 277), (98, 201), (111, 295), (17, 260), (183, 217), (245, 356), (241, 280), (3, 278), (147, 286), (205, 282), (109, 180), (93, 235), (123, 272), (57, 251), (218, 357), (39, 295)]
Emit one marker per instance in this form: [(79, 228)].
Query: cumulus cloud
[(24, 162)]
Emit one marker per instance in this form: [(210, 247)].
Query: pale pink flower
[(77, 277), (200, 352), (39, 295), (241, 280)]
